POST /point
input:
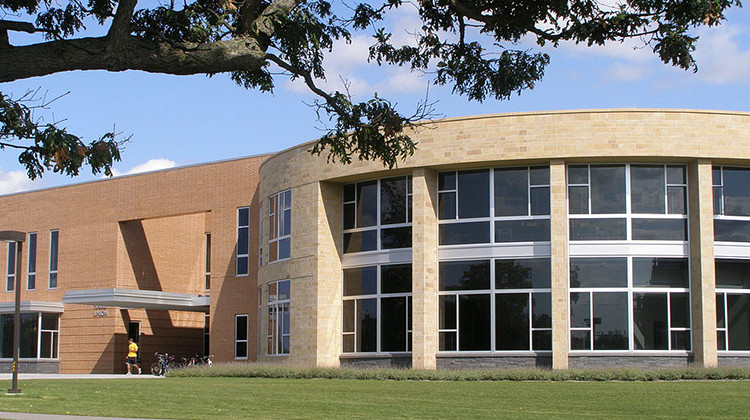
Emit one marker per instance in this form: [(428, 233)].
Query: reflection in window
[(522, 309), (370, 206), (520, 205), (599, 305), (656, 190), (731, 188), (733, 304), (377, 309), (278, 317), (280, 225)]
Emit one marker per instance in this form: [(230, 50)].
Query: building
[(563, 239)]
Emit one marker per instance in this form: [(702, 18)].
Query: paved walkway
[(29, 416)]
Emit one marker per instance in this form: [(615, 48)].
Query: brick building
[(563, 239)]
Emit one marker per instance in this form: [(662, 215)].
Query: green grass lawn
[(236, 398)]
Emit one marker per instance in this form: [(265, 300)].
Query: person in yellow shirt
[(132, 358)]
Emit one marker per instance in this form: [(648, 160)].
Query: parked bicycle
[(164, 364)]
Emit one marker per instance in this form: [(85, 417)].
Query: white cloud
[(151, 165), (17, 181), (628, 72), (722, 55)]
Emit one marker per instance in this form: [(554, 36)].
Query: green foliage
[(473, 47), (48, 147), (260, 370)]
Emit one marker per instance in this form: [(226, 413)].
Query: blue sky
[(182, 120)]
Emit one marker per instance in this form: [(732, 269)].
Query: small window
[(240, 336), (243, 241), (31, 277), (53, 251), (280, 226)]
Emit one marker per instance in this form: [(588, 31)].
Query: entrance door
[(134, 331)]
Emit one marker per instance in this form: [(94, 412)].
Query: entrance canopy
[(141, 299)]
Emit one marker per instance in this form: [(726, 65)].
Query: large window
[(40, 334), (10, 276), (377, 309), (495, 305), (377, 214), (54, 237), (733, 304), (243, 241), (31, 276), (280, 225), (499, 205), (278, 317), (240, 336), (731, 187), (627, 202), (636, 303)]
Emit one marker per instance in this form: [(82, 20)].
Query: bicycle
[(163, 365)]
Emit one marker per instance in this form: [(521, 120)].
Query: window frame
[(54, 334), (10, 272), (275, 310), (31, 263), (278, 205), (724, 292), (629, 290), (237, 340), (378, 296), (54, 255), (242, 257), (379, 226)]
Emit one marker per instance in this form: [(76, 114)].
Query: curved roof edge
[(552, 112)]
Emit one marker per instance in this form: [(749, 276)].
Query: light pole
[(18, 238)]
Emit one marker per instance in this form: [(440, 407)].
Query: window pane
[(659, 229), (522, 230), (731, 231), (393, 324), (650, 321), (512, 321), (597, 229), (647, 189), (676, 200), (348, 311), (447, 312), (242, 269), (393, 200), (539, 175), (45, 350), (395, 238), (580, 314), (610, 321), (540, 201), (348, 344), (447, 206), (367, 203), (49, 321), (580, 340), (720, 310), (464, 275), (284, 290), (541, 310), (680, 340), (464, 233), (676, 175), (361, 241), (242, 241), (541, 340), (350, 210), (578, 199), (607, 189), (733, 274), (598, 272), (660, 272), (578, 174), (736, 192), (395, 278), (241, 327), (284, 248), (240, 349), (679, 310), (361, 281), (54, 235), (511, 192), (474, 322), (446, 181), (523, 273), (721, 339), (243, 216), (473, 194), (448, 341), (367, 325), (718, 200), (349, 193), (738, 320), (32, 253)]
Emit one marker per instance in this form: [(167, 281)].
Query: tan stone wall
[(560, 264), (143, 231)]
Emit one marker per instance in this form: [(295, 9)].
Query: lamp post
[(18, 238)]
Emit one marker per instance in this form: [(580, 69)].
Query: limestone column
[(702, 269), (560, 272), (424, 269)]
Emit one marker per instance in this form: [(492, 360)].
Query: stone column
[(560, 271), (424, 269), (702, 269)]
